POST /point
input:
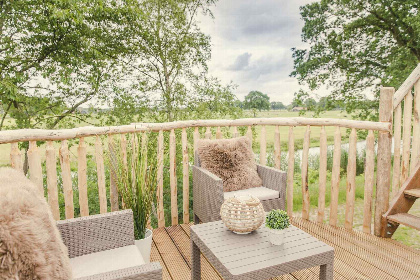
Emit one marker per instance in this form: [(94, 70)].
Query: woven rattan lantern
[(242, 214)]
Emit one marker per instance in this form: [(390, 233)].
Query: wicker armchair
[(112, 234), (209, 196)]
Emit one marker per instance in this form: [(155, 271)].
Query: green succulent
[(277, 219)]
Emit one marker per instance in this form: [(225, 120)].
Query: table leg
[(196, 219), (195, 262), (326, 271)]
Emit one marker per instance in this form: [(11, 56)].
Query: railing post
[(383, 176)]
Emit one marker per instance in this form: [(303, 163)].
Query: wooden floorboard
[(367, 262), (182, 241), (178, 268), (155, 257), (357, 255), (381, 252), (346, 255)]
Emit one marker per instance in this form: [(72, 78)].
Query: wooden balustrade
[(290, 172), (277, 148), (369, 182), (82, 178), (335, 177), (322, 174), (383, 177), (305, 186), (51, 169), (184, 142), (173, 180), (351, 180), (66, 177), (159, 191), (100, 171), (186, 176)]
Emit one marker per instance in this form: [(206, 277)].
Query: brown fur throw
[(30, 244), (232, 160)]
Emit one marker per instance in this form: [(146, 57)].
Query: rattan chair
[(112, 234), (209, 196)]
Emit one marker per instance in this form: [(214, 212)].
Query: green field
[(298, 131)]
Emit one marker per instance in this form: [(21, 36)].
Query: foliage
[(169, 57), (356, 46), (56, 56), (277, 105), (257, 100), (125, 60), (136, 180), (277, 219)]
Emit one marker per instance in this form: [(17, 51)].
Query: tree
[(56, 56), (277, 105), (356, 46), (257, 100), (170, 55), (310, 102)]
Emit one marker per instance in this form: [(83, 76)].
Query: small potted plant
[(276, 221)]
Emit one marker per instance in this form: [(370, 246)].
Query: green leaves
[(257, 100), (277, 219), (357, 46)]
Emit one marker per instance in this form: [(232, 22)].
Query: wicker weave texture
[(208, 191), (91, 234), (242, 216), (151, 271)]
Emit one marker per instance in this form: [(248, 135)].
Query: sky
[(251, 45)]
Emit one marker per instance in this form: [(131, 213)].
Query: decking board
[(363, 261), (155, 257), (178, 268), (372, 254), (182, 241), (357, 255)]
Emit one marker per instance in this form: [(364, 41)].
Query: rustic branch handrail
[(406, 86), (22, 135)]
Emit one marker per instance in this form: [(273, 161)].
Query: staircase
[(401, 204)]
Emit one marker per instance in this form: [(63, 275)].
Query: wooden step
[(406, 219), (413, 193)]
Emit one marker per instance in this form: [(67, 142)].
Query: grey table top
[(244, 254)]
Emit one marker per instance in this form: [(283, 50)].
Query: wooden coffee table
[(252, 256)]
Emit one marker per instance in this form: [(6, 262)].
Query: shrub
[(277, 219)]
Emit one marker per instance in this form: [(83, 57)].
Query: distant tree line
[(258, 101)]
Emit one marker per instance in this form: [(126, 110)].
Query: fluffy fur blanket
[(30, 244), (232, 160)]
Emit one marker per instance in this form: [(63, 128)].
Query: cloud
[(275, 22), (263, 29), (241, 62)]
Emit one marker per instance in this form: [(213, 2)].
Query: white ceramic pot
[(145, 245), (276, 236)]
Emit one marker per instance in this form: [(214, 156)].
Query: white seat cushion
[(106, 261), (262, 193)]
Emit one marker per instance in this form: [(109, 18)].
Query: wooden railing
[(35, 164), (189, 132), (410, 124)]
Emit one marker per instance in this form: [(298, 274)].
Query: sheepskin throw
[(232, 160), (30, 244)]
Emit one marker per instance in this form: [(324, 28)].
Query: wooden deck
[(357, 255)]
